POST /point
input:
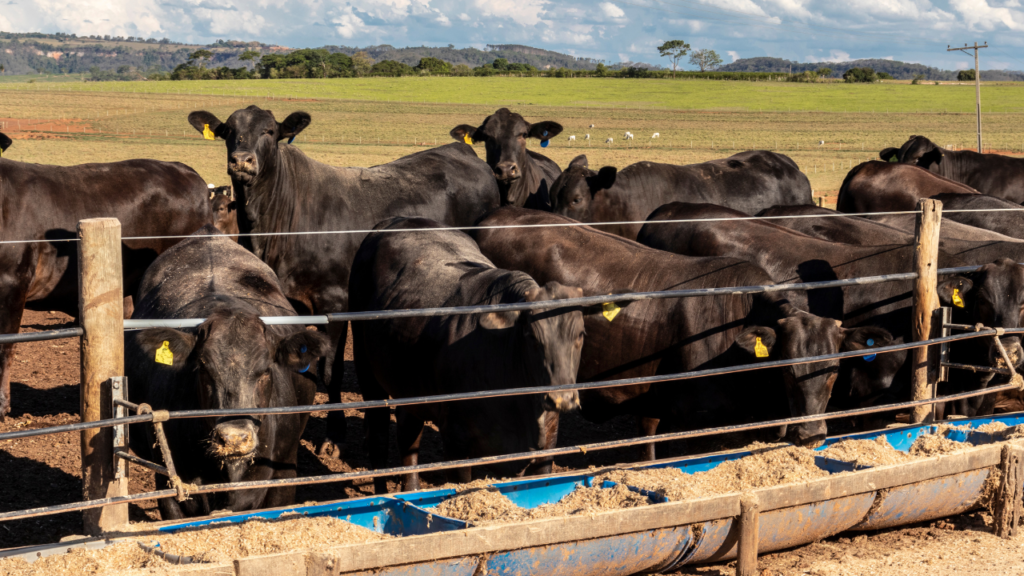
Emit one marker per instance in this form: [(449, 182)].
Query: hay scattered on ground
[(992, 427), (761, 470), (219, 543), (935, 445), (483, 505), (877, 452)]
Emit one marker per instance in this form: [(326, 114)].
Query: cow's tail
[(844, 189)]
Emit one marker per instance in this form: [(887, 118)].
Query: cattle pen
[(656, 538)]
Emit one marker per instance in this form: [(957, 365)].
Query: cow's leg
[(332, 368), (170, 509), (10, 323), (648, 427), (410, 433)]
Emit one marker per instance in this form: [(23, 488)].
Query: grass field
[(362, 122)]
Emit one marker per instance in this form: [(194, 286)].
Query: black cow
[(283, 190), (524, 177), (44, 202), (748, 182), (5, 142), (793, 257), (451, 354), (885, 187), (665, 336), (231, 360), (222, 207), (992, 174)]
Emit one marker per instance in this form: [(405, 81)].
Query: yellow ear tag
[(760, 350), (164, 354), (958, 301), (467, 139), (207, 133), (610, 310)]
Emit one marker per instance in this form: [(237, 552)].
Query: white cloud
[(611, 10), (733, 54), (833, 56), (980, 15)]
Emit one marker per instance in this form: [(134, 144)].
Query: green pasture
[(364, 122)]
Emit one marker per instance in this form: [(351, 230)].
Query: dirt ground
[(45, 470)]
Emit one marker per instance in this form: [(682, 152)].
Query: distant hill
[(895, 68), (27, 53)]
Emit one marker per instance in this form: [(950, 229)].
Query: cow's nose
[(506, 170), (241, 159), (233, 440), (1013, 351)]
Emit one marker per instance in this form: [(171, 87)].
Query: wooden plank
[(101, 313), (284, 564), (924, 369), (749, 524)]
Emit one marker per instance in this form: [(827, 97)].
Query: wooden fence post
[(1008, 500), (749, 525), (100, 305), (925, 321)]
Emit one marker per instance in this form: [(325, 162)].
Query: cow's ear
[(865, 337), (463, 131), (544, 130), (164, 346), (299, 351), (605, 178), (580, 162), (201, 119), (757, 341), (933, 156), (5, 142), (498, 320), (952, 290), (890, 154), (295, 122)]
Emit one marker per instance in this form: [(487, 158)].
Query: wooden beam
[(101, 313), (1007, 510), (926, 304), (749, 525)]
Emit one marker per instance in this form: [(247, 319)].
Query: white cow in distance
[(609, 141), (572, 138), (655, 135), (588, 137)]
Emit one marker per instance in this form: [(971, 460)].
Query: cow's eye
[(577, 200), (268, 132)]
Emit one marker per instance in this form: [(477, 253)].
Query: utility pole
[(977, 80)]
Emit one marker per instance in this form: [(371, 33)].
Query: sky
[(610, 30)]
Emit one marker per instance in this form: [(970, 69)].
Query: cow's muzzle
[(242, 166), (1013, 350), (562, 402), (809, 434), (506, 171), (234, 440)]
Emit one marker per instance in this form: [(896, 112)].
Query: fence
[(104, 407)]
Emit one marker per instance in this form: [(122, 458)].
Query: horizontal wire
[(515, 226), (477, 395), (564, 451)]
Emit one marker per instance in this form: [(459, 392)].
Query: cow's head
[(252, 135), (222, 205), (550, 341), (504, 135), (234, 362), (5, 142), (994, 297), (918, 151), (808, 386), (574, 190)]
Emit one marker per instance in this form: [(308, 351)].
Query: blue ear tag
[(306, 369), (304, 349), (870, 357), (544, 143), (292, 139), (545, 134)]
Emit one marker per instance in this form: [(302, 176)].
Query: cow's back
[(876, 186)]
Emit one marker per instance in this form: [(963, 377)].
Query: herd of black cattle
[(387, 253)]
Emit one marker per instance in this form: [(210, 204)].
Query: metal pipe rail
[(40, 336), (389, 403), (567, 450), (550, 304)]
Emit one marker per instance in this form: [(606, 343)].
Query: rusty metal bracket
[(119, 392)]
